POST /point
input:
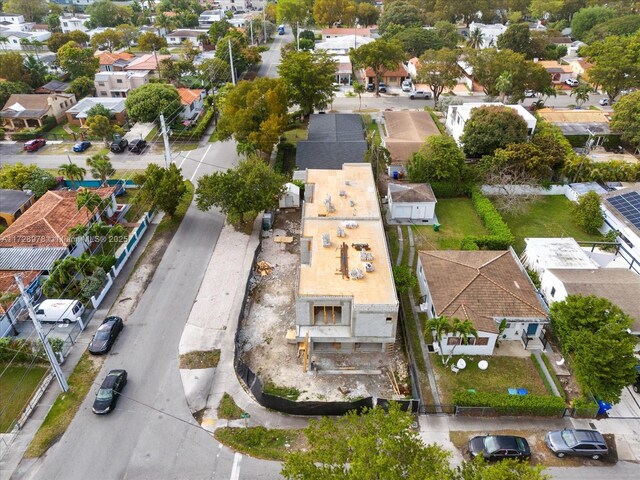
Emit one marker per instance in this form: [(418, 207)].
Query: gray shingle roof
[(12, 200)]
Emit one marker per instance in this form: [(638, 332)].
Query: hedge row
[(500, 236), (49, 123), (504, 404), (585, 408), (21, 350), (450, 190), (197, 132)]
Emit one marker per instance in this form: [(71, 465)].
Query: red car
[(35, 144)]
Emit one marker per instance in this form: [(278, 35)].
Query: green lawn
[(503, 373), (457, 219), (549, 216), (17, 385), (295, 135)]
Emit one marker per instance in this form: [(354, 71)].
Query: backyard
[(17, 385), (457, 219), (547, 216), (503, 373)]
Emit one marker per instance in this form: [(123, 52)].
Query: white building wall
[(627, 237)]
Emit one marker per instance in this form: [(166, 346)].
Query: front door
[(532, 328)]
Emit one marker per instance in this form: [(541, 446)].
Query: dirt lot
[(271, 312)]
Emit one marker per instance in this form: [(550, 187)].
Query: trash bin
[(436, 227), (603, 407), (396, 175)]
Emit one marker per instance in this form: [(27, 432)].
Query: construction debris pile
[(263, 268)]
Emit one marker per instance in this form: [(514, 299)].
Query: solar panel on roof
[(628, 205)]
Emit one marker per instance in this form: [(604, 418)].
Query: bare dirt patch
[(271, 313)]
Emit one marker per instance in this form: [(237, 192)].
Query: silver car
[(580, 443), (419, 94)]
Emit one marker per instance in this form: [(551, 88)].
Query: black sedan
[(106, 334), (498, 447), (81, 146), (107, 396)]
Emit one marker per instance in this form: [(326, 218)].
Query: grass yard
[(295, 135), (259, 442), (457, 219), (200, 359), (228, 408), (17, 385), (549, 216), (503, 373)]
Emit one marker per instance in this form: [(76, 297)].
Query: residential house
[(191, 35), (411, 202), (559, 72), (574, 191), (70, 22), (17, 37), (159, 31), (404, 133), (193, 102), (119, 84), (54, 86), (11, 19), (209, 17), (490, 33), (391, 78), (580, 123), (30, 110), (14, 310), (328, 33), (580, 68), (13, 203), (149, 62), (458, 116), (344, 71), (77, 115), (574, 47), (621, 209), (78, 4), (291, 196), (114, 62), (342, 45), (541, 254), (491, 289), (344, 302), (333, 140)]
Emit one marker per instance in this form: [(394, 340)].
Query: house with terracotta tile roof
[(114, 62), (392, 78), (193, 101), (559, 72), (328, 33), (150, 61), (491, 289)]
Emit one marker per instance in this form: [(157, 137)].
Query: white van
[(59, 310)]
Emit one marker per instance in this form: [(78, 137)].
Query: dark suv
[(119, 146), (137, 145), (636, 384)]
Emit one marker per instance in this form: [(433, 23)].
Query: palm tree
[(91, 200), (4, 40), (504, 85), (25, 42), (101, 167), (581, 92), (462, 329), (476, 38), (358, 89), (37, 45), (73, 172), (439, 326)]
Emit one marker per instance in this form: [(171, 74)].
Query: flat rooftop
[(322, 277)]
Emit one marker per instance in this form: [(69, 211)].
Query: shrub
[(504, 404), (450, 189), (584, 408), (198, 131), (468, 243), (500, 236), (587, 212)]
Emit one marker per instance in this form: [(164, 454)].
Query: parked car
[(419, 94), (106, 335), (81, 146), (107, 397), (137, 146), (498, 447), (529, 94), (35, 144), (572, 82), (604, 102), (407, 86), (371, 87), (636, 384), (581, 443), (119, 146), (382, 87), (59, 310)]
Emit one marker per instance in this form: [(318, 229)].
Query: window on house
[(482, 341), (327, 314), (103, 94), (453, 341), (553, 291), (101, 84), (389, 320), (118, 80)]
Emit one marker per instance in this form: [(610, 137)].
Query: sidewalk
[(11, 459)]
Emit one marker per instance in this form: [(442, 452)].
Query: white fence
[(122, 255)]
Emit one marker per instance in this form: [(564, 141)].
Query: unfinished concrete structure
[(345, 299)]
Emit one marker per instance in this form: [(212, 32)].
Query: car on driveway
[(529, 94), (572, 82), (604, 102), (119, 146), (579, 443), (110, 390), (35, 144), (371, 87), (81, 146), (106, 335), (137, 146), (407, 86), (382, 88), (499, 447), (419, 94)]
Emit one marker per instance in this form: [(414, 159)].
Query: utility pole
[(57, 371), (233, 71), (298, 35), (165, 137), (251, 27), (264, 26)]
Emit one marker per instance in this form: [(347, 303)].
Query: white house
[(490, 33), (621, 209), (11, 18), (191, 35), (15, 38), (291, 197), (209, 17), (342, 45), (458, 115), (491, 289), (193, 102), (542, 254), (411, 202), (73, 22)]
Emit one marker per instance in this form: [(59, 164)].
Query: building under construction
[(345, 299)]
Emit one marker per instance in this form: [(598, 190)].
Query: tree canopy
[(593, 335), (164, 187), (105, 13), (77, 61), (438, 160), (380, 56), (293, 11), (81, 87), (367, 14), (149, 41), (252, 186), (9, 88), (26, 177), (587, 213), (309, 78), (147, 102), (32, 10), (626, 118), (416, 40), (439, 69), (12, 68), (490, 128), (400, 13), (331, 12), (587, 18)]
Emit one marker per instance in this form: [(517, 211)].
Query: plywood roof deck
[(573, 116), (322, 277)]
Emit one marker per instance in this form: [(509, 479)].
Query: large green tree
[(400, 13), (626, 118), (77, 61), (517, 37), (12, 67), (593, 335), (438, 160), (107, 40), (32, 10), (26, 177), (252, 186), (367, 14), (58, 39), (163, 187), (309, 78), (490, 128), (587, 18), (624, 25), (149, 41), (214, 71), (146, 103), (380, 56), (105, 13), (331, 12), (587, 213), (294, 11), (81, 87), (439, 69), (416, 40), (9, 88), (255, 113)]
